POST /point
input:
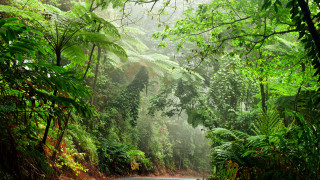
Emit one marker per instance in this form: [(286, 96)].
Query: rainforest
[(203, 89)]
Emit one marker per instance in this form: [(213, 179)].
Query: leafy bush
[(117, 158), (243, 122), (81, 141), (288, 153), (28, 100), (138, 156), (227, 145), (230, 172), (68, 158)]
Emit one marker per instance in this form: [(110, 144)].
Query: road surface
[(156, 178)]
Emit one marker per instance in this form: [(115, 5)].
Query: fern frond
[(228, 151), (81, 10), (92, 37), (108, 28), (183, 70), (52, 9), (134, 43), (114, 60), (223, 132), (24, 14), (286, 44), (115, 49), (101, 40), (267, 123), (240, 134), (257, 141), (163, 58), (131, 30), (75, 54)]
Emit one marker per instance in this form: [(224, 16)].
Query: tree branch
[(222, 24)]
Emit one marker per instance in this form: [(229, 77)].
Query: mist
[(153, 89)]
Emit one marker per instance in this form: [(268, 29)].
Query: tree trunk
[(263, 96), (267, 90), (96, 74), (44, 139), (58, 55), (313, 31), (303, 69), (90, 59), (307, 16), (91, 53)]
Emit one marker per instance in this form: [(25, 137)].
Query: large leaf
[(115, 49), (75, 54)]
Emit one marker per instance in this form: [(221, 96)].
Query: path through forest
[(157, 178)]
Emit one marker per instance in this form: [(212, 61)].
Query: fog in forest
[(156, 89)]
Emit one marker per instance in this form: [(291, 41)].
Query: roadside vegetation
[(105, 88)]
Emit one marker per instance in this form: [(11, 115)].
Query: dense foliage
[(261, 89), (84, 94)]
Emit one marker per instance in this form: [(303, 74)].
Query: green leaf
[(247, 153)]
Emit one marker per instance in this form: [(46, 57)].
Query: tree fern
[(228, 151), (108, 28), (156, 64), (268, 123), (133, 43), (37, 79), (75, 54), (24, 14), (83, 11), (227, 145), (115, 49), (224, 133), (256, 142)]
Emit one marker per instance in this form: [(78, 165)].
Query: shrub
[(80, 140), (117, 158)]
